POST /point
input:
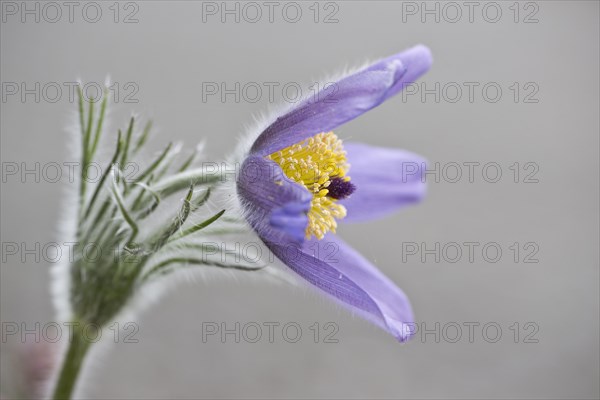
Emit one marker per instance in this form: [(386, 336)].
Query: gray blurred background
[(170, 52)]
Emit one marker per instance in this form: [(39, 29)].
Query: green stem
[(78, 347)]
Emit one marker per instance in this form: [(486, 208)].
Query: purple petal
[(345, 100), (417, 59), (341, 272), (385, 180), (291, 218), (275, 206)]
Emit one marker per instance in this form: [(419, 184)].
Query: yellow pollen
[(313, 163)]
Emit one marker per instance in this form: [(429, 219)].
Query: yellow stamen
[(313, 163)]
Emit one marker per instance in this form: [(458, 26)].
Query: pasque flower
[(298, 180)]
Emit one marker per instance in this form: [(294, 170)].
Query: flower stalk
[(77, 348)]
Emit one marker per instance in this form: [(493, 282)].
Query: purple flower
[(296, 184)]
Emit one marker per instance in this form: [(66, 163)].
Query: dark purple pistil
[(340, 189)]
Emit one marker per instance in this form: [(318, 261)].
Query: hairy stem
[(77, 349)]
